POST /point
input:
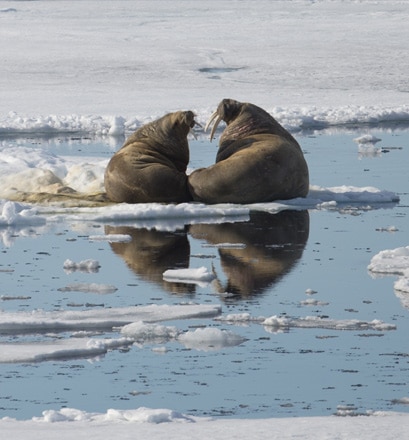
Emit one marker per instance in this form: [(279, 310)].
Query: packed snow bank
[(156, 424), (294, 119)]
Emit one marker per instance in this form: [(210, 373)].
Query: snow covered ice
[(100, 70)]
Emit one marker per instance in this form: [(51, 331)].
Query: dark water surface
[(296, 372)]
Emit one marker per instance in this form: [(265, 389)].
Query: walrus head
[(243, 120), (182, 121), (167, 130)]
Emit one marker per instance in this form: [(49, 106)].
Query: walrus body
[(151, 165), (257, 161)]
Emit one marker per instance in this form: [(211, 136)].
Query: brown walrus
[(257, 161), (151, 165)]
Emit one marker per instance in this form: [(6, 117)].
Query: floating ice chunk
[(59, 349), (89, 288), (402, 284), (388, 229), (367, 139), (209, 339), (61, 320), (236, 317), (198, 275), (351, 194), (330, 324), (141, 331), (226, 245), (313, 302), (17, 214), (401, 401), (310, 292), (390, 261), (276, 321), (111, 238), (90, 266)]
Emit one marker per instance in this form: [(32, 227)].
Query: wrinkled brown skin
[(151, 165), (257, 161)]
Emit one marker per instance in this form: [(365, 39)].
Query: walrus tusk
[(218, 118), (193, 133), (191, 129)]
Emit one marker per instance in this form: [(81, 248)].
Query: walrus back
[(266, 169), (138, 173)]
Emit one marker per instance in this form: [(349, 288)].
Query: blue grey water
[(297, 372)]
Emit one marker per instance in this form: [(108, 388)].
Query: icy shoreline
[(71, 423), (294, 119)]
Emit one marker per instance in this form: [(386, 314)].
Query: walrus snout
[(186, 119)]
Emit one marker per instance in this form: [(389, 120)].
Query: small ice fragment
[(310, 292), (188, 275), (367, 139), (90, 266)]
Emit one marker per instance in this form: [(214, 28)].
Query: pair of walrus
[(257, 161)]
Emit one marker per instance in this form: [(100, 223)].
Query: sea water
[(293, 264)]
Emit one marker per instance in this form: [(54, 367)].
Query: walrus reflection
[(273, 245), (151, 252)]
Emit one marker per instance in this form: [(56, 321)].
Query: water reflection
[(151, 252), (273, 245), (253, 255)]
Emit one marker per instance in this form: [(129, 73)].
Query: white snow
[(105, 69), (69, 423)]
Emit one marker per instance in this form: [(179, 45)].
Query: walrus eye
[(218, 118)]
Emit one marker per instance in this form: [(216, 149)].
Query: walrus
[(258, 160), (151, 165)]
